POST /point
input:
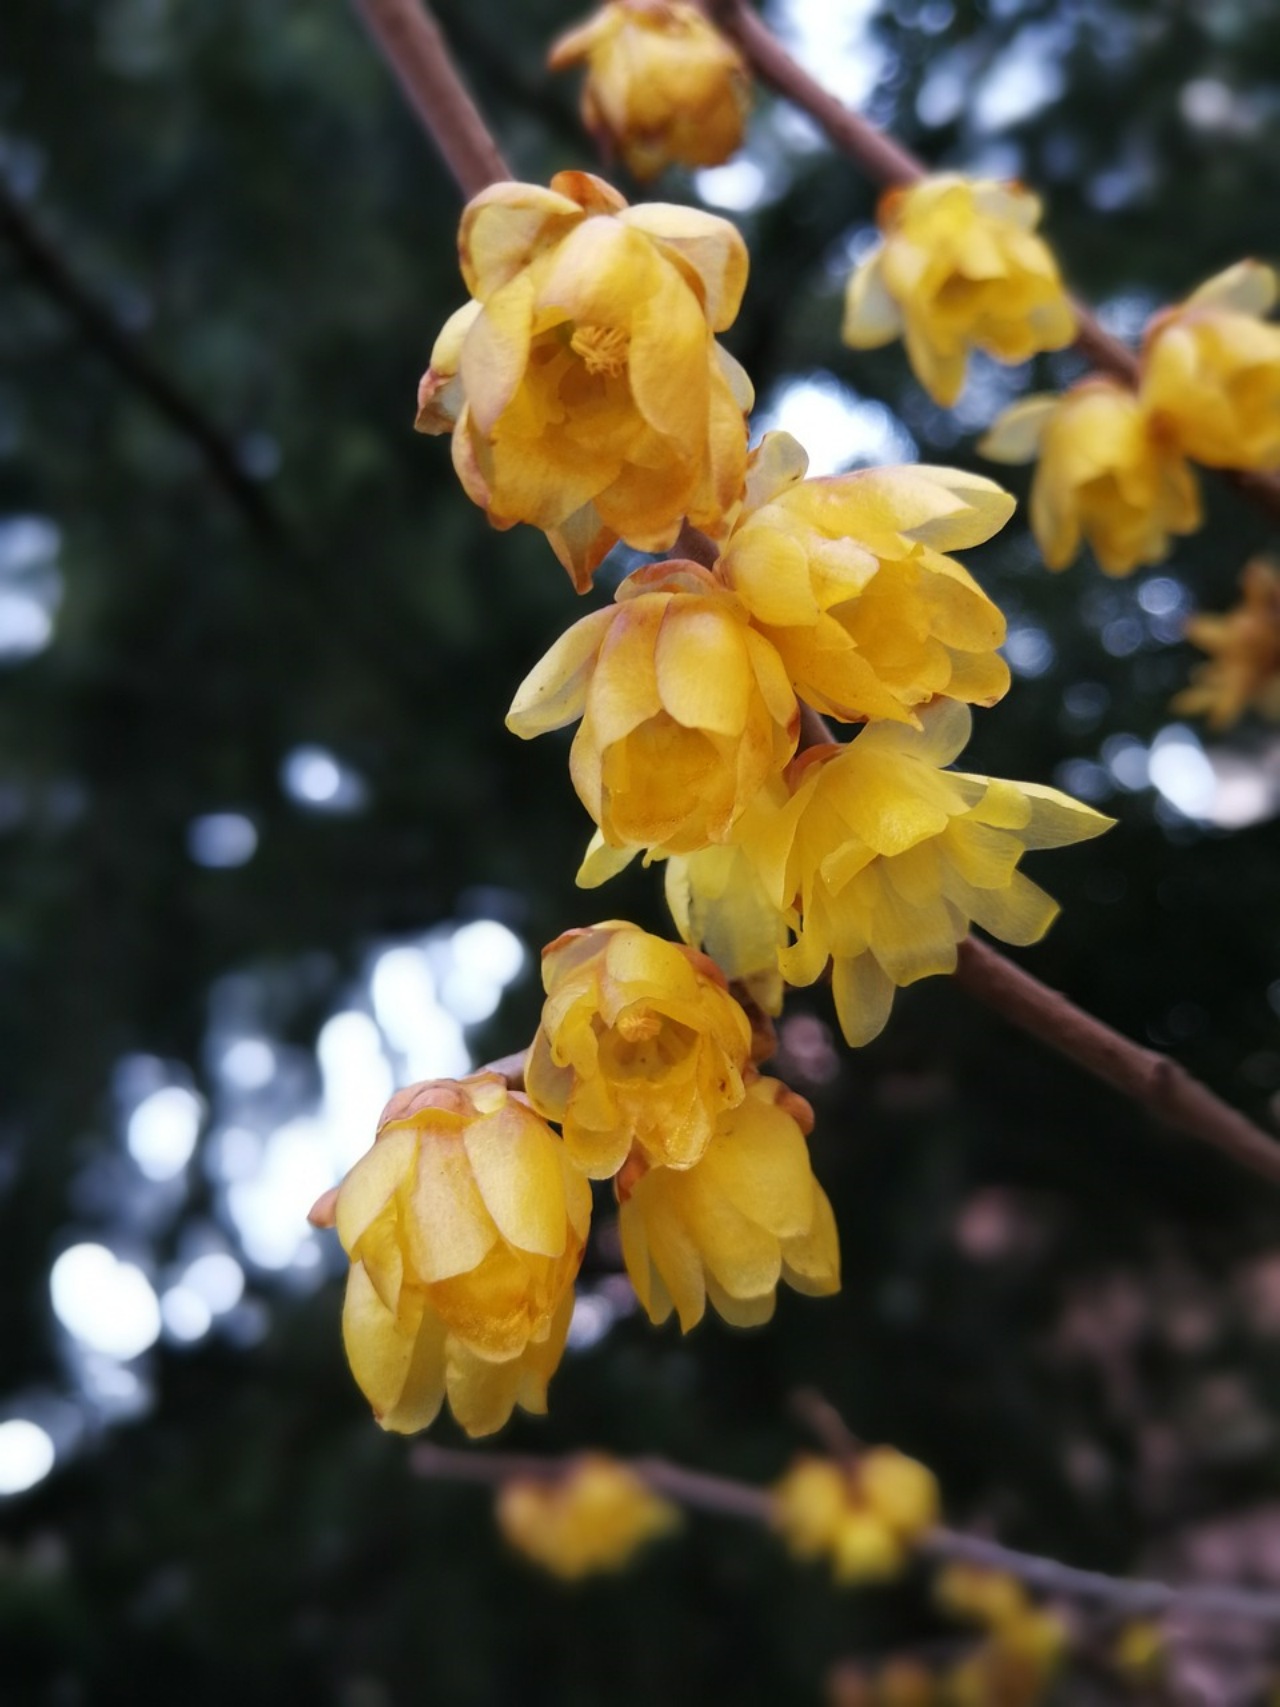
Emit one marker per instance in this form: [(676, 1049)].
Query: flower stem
[(414, 48)]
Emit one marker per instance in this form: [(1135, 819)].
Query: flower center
[(603, 349)]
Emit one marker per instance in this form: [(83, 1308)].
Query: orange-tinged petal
[(555, 690)]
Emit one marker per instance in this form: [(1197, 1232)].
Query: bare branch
[(414, 47), (1145, 1076)]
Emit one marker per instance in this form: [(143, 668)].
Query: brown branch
[(888, 163), (695, 1488), (414, 48), (1124, 1594), (1167, 1090), (49, 270), (725, 1497)]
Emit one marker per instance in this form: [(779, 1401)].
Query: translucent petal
[(704, 677), (871, 316), (555, 690), (863, 996), (372, 1183), (447, 1229), (482, 1395), (1015, 436), (517, 1166)]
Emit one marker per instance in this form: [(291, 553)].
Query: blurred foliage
[(1072, 1318)]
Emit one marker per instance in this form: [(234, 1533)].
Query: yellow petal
[(1015, 436), (555, 690), (517, 1166), (372, 1183), (397, 1361), (448, 1230), (504, 226), (871, 315), (863, 995), (811, 1260), (482, 1395), (1249, 287), (704, 679), (711, 247)]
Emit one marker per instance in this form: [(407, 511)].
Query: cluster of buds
[(865, 1516)]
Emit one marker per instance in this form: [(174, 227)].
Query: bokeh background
[(266, 850)]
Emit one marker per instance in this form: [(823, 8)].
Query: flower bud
[(465, 1225), (594, 1518), (663, 86)]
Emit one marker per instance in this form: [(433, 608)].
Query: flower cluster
[(586, 395), (594, 1518), (1114, 462), (865, 1516), (663, 87), (467, 1220), (837, 592)]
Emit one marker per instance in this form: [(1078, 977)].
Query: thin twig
[(1125, 1594), (695, 1488), (726, 1497), (414, 48), (1160, 1085), (888, 163), (48, 269)]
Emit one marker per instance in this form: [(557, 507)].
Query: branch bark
[(413, 46), (1160, 1085)]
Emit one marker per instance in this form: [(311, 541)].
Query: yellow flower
[(595, 1517), (867, 1516), (980, 1595), (583, 386), (465, 1225), (663, 85), (1243, 668), (881, 860), (847, 577), (960, 268), (640, 1043), (1211, 371), (719, 906), (1106, 471), (749, 1214), (685, 709)]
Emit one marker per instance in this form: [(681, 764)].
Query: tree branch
[(701, 1491), (413, 46), (47, 268), (1160, 1085), (888, 163)]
